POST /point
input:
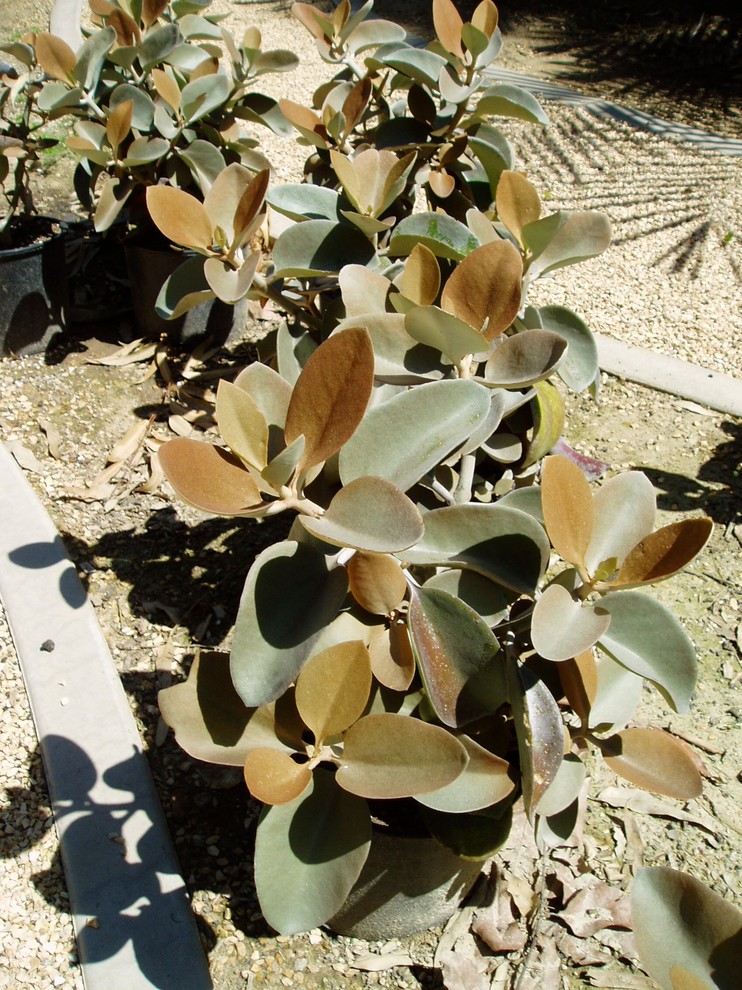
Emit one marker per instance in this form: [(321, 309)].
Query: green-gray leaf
[(446, 237), (321, 247)]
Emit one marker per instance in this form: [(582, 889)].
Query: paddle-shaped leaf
[(55, 56), (180, 217), (208, 477), (506, 100), (579, 367), (321, 247), (393, 756), (421, 278), (654, 760), (539, 731), (448, 25), (271, 394), (377, 582), (485, 289), (392, 660), (548, 422), (646, 637), (369, 514), (625, 510), (664, 552), (564, 788), (331, 395), (517, 202), (273, 777), (500, 542), (446, 333), (524, 359), (457, 655), (241, 424), (568, 508), (562, 628), (680, 924), (291, 595), (484, 782), (441, 234), (582, 235), (444, 414), (234, 201), (333, 688), (309, 853)]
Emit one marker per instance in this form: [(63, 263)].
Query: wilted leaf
[(655, 761), (457, 655), (333, 688), (562, 628), (663, 553), (679, 922), (485, 289), (331, 395), (208, 477), (394, 756), (274, 778), (377, 582)]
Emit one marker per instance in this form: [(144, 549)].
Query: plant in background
[(456, 616)]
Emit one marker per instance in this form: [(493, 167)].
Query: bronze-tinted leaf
[(377, 582), (118, 124), (126, 28), (569, 513), (333, 688), (654, 760), (316, 23), (167, 88), (241, 424), (55, 56), (421, 278), (392, 660), (235, 199), (448, 24), (180, 217), (356, 102), (485, 288), (517, 202), (485, 17), (679, 923), (393, 756), (331, 395), (664, 552), (539, 731), (562, 628), (208, 477), (274, 778), (151, 10)]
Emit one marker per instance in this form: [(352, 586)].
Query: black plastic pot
[(98, 281), (33, 289)]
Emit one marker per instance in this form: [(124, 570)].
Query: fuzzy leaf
[(561, 628), (441, 234), (645, 636), (55, 56), (271, 394), (394, 756), (517, 202), (291, 595), (320, 247), (488, 599), (484, 290), (446, 333), (308, 855), (301, 201), (625, 509), (506, 100), (241, 424), (377, 582), (664, 552), (524, 359), (582, 235), (484, 782), (579, 367), (444, 414), (363, 291), (457, 655), (208, 477), (421, 278), (564, 788), (392, 660), (331, 395), (500, 542), (548, 422), (229, 284), (333, 688), (234, 201), (448, 25), (568, 508), (274, 778), (680, 924), (655, 761), (180, 217)]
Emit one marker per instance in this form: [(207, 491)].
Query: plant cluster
[(456, 617)]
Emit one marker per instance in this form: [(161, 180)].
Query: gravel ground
[(670, 282)]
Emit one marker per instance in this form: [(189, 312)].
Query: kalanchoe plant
[(456, 616)]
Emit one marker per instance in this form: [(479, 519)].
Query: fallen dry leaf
[(464, 972), (646, 804), (25, 457), (53, 439), (372, 962), (597, 906)]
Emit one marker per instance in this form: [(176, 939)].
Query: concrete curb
[(134, 925)]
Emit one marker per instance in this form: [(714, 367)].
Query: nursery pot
[(408, 884), (98, 280), (148, 269), (33, 288)]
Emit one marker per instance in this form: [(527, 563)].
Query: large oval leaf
[(583, 235), (646, 637), (664, 552), (180, 217), (208, 477), (308, 855), (457, 655), (331, 395), (394, 756), (681, 924), (568, 509), (562, 628), (625, 510), (654, 760), (321, 247), (333, 688), (369, 514), (377, 582), (564, 788), (446, 333), (506, 100), (441, 234), (443, 413), (486, 598), (241, 424), (500, 542), (524, 359), (292, 593), (392, 660), (484, 290), (579, 367), (302, 201), (484, 782), (517, 202)]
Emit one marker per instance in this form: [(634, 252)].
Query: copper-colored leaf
[(180, 217), (118, 124), (55, 56), (274, 778), (126, 28), (664, 552), (209, 478), (377, 582), (151, 10), (391, 655), (485, 17), (316, 23), (569, 512), (333, 688), (654, 760), (331, 395), (485, 288), (517, 202), (421, 278), (682, 979), (356, 102), (448, 24), (442, 183), (235, 199), (167, 88)]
